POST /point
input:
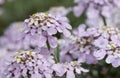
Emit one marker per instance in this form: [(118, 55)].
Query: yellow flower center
[(112, 45)]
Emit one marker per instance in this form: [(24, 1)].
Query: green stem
[(56, 55)]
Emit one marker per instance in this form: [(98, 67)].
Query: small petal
[(66, 32), (100, 54), (59, 29), (52, 41), (51, 31), (42, 41), (110, 59)]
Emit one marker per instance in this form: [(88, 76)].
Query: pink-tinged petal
[(66, 33), (42, 41), (51, 31), (52, 41), (70, 74)]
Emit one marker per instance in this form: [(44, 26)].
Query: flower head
[(98, 11), (32, 64), (12, 37), (28, 64), (42, 27)]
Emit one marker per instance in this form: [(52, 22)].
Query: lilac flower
[(31, 64), (14, 30), (114, 59), (12, 36), (78, 51), (106, 43), (103, 41), (13, 39), (95, 43), (96, 11), (28, 64), (42, 27), (68, 49)]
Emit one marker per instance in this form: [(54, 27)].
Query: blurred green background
[(18, 10)]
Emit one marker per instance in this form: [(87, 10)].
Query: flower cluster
[(41, 28), (105, 40), (98, 11), (92, 44), (29, 64), (78, 47), (12, 38), (43, 46)]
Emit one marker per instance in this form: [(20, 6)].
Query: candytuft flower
[(42, 27), (12, 37), (28, 64), (98, 13)]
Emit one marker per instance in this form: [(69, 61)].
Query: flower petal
[(52, 41), (70, 74), (51, 31)]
